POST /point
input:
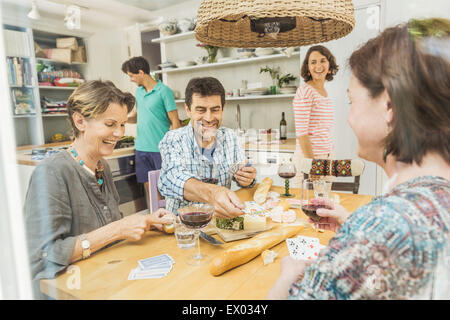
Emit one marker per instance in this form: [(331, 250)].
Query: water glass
[(185, 237)]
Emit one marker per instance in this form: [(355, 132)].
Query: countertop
[(287, 145), (24, 152)]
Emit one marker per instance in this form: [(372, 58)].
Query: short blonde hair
[(93, 97)]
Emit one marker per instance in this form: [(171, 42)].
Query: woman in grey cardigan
[(72, 206)]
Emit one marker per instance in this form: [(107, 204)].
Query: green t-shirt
[(152, 119)]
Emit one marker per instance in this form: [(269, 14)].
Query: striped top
[(314, 115)]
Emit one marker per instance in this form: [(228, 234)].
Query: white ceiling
[(151, 5)]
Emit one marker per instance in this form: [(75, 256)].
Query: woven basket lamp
[(273, 23)]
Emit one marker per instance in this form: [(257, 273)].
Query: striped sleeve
[(302, 105)]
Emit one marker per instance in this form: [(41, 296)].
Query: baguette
[(246, 251), (261, 192)]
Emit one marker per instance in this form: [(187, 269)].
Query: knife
[(210, 239)]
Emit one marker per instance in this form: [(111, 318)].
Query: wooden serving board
[(233, 235)]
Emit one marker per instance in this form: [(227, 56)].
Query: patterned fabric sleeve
[(173, 174), (371, 257)]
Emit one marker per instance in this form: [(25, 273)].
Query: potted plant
[(285, 79), (274, 73), (212, 51)]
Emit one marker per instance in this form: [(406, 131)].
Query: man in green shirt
[(155, 111)]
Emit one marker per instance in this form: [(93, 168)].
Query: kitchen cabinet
[(33, 124)]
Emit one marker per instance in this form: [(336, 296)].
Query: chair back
[(155, 199), (337, 168)]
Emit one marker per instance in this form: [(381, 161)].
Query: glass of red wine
[(310, 207), (208, 172), (287, 171), (196, 217)]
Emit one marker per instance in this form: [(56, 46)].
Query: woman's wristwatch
[(85, 245)]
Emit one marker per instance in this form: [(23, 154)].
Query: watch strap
[(86, 251)]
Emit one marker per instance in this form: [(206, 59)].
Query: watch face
[(85, 244)]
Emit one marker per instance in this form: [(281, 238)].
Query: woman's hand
[(160, 217), (291, 271), (134, 226), (333, 217)]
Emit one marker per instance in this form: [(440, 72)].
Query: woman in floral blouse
[(397, 246)]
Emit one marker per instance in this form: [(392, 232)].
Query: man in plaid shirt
[(196, 159)]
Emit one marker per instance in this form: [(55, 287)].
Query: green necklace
[(98, 170)]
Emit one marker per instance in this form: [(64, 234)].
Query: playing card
[(304, 248), (293, 247), (163, 259), (136, 274), (307, 240)]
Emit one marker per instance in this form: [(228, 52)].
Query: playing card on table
[(137, 274), (161, 260)]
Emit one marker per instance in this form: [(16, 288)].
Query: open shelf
[(255, 97), (60, 62), (232, 62), (57, 88), (175, 37)]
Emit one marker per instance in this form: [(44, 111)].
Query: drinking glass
[(196, 217), (308, 206), (208, 172), (287, 171)]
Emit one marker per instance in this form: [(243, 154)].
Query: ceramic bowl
[(186, 25), (168, 28)]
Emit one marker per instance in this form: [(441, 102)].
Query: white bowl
[(183, 64), (245, 54)]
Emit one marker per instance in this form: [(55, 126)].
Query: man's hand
[(226, 203), (245, 176)]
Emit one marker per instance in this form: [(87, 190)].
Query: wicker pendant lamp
[(273, 23)]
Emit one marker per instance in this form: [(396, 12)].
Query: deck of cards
[(153, 267), (304, 248)]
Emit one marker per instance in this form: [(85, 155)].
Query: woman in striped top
[(313, 109)]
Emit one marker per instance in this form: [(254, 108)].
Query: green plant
[(274, 72), (285, 79)]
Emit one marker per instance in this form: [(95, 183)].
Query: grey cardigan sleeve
[(48, 218)]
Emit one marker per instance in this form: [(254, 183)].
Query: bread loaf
[(246, 251), (261, 192)]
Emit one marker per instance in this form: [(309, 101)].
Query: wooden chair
[(156, 201), (337, 168)]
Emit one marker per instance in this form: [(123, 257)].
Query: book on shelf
[(19, 72)]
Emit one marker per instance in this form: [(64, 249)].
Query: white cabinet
[(33, 124)]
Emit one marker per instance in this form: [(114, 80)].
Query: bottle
[(282, 127)]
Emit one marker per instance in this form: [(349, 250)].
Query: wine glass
[(196, 217), (287, 171), (310, 207), (208, 173)]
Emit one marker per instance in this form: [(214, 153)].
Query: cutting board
[(233, 235)]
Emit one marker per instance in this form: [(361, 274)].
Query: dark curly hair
[(135, 64), (304, 72), (207, 86)]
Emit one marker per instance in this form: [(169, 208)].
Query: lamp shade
[(273, 23)]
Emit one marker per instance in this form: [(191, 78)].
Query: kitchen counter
[(24, 152), (287, 145)]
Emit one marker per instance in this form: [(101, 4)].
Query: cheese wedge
[(254, 222)]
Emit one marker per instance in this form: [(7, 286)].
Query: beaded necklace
[(98, 169)]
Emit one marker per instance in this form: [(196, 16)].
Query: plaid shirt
[(182, 159)]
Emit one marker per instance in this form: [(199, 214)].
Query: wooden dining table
[(104, 275)]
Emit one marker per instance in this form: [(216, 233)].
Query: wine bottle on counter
[(282, 127)]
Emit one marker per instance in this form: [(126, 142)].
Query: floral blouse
[(396, 247)]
